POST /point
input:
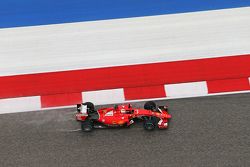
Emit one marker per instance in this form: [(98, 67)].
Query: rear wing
[(78, 107), (81, 108)]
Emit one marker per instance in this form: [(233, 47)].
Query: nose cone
[(168, 116)]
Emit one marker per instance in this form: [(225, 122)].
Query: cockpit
[(124, 109)]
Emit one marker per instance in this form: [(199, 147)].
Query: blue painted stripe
[(16, 13)]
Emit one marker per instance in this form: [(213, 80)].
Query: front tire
[(150, 105), (149, 123)]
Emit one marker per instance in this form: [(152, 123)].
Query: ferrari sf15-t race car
[(122, 116)]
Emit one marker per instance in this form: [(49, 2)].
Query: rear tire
[(90, 107), (87, 126), (150, 105)]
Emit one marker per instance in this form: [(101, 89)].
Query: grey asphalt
[(208, 131)]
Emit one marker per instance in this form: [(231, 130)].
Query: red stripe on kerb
[(125, 76), (228, 85), (61, 100), (144, 92)]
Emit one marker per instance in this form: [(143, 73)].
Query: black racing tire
[(90, 107), (149, 123), (87, 126), (150, 105)]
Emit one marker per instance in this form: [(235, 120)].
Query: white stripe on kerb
[(127, 41), (191, 89), (104, 96), (21, 104)]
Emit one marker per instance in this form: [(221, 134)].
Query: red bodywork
[(124, 114)]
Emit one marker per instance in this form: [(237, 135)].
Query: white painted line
[(104, 96), (127, 41), (191, 89), (22, 104), (60, 107)]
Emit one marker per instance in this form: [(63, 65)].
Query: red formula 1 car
[(122, 116)]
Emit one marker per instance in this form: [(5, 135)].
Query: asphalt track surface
[(208, 131)]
